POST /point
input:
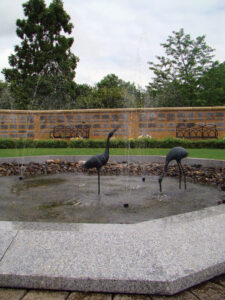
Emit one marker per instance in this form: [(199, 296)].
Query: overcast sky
[(121, 36)]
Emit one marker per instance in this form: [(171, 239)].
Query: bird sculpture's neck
[(107, 146)]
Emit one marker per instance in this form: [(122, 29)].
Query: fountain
[(56, 232), (73, 198)]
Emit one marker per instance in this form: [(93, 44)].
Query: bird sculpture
[(99, 160), (176, 153)]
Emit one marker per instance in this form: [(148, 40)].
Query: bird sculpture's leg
[(98, 181), (184, 176), (180, 173)]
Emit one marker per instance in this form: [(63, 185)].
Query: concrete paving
[(163, 256)]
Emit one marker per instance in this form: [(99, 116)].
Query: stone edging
[(117, 158), (162, 256)]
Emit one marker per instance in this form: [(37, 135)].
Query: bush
[(7, 143), (51, 143), (143, 142), (24, 143), (119, 143), (96, 143), (79, 143)]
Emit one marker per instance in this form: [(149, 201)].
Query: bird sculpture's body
[(176, 153), (99, 160)]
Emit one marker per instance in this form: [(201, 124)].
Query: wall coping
[(184, 108)]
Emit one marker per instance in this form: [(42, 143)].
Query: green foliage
[(84, 97), (87, 143), (114, 143), (24, 143), (6, 100), (29, 143), (7, 143), (178, 74), (110, 92), (43, 67), (51, 143), (119, 143), (212, 86)]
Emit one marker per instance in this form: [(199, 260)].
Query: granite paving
[(163, 256), (211, 290), (6, 238)]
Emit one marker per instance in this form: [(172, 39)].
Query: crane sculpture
[(176, 153), (99, 160)]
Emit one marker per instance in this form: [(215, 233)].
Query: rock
[(195, 173), (49, 161)]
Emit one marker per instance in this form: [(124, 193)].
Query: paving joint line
[(195, 295), (67, 297), (26, 292), (1, 259)]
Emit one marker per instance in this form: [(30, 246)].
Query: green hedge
[(114, 143), (29, 143)]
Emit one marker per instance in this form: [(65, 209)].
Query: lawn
[(200, 153)]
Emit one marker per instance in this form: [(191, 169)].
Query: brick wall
[(157, 122)]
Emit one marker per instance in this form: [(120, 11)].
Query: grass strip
[(197, 153)]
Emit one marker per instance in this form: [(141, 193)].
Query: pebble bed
[(195, 173)]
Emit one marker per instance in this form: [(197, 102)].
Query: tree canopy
[(43, 70), (110, 92), (212, 86), (43, 66), (178, 74)]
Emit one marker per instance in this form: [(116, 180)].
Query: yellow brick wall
[(157, 122)]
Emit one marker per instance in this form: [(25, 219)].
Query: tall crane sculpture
[(176, 153), (99, 160)]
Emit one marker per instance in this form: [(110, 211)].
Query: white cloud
[(121, 36)]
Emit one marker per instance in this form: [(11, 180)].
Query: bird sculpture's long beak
[(113, 131), (116, 129)]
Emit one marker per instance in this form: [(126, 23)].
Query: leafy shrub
[(24, 143), (96, 143), (7, 143), (144, 142), (78, 143), (51, 143), (119, 143)]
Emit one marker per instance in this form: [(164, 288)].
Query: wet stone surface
[(72, 197)]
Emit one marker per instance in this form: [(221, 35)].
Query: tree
[(84, 98), (177, 74), (43, 66), (110, 92), (6, 100), (212, 86), (113, 92)]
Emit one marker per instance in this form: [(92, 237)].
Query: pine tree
[(43, 66)]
